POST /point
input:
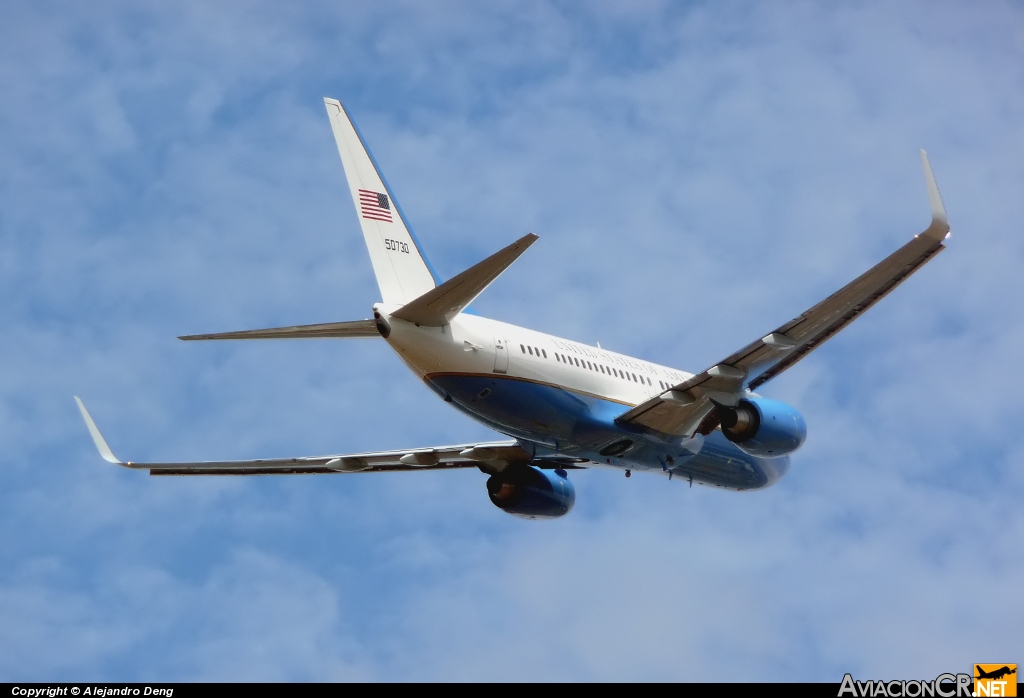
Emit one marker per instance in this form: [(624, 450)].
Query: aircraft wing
[(490, 457), (690, 406)]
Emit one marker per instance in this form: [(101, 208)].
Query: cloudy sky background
[(698, 174)]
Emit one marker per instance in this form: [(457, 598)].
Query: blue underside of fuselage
[(554, 420)]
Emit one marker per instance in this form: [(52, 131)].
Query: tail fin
[(402, 271)]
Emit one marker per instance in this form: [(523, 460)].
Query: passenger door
[(500, 354)]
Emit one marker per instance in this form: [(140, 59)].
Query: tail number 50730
[(396, 245)]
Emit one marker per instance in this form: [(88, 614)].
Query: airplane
[(564, 405), (996, 674)]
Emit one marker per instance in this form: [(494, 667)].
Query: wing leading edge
[(690, 406), (489, 457)]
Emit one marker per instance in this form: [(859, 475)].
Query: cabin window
[(545, 353), (577, 361), (523, 348), (530, 349)]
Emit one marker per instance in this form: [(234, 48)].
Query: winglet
[(939, 228), (97, 437)]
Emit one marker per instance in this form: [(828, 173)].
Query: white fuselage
[(470, 345), (561, 398)]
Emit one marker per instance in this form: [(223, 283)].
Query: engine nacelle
[(762, 427), (532, 493)]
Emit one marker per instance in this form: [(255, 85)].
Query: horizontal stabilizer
[(438, 306), (351, 329)]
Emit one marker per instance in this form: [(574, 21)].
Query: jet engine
[(762, 427), (531, 493)]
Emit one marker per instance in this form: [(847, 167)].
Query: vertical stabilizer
[(401, 269)]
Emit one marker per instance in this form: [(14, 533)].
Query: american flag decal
[(374, 205)]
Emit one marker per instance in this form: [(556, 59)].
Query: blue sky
[(698, 173)]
